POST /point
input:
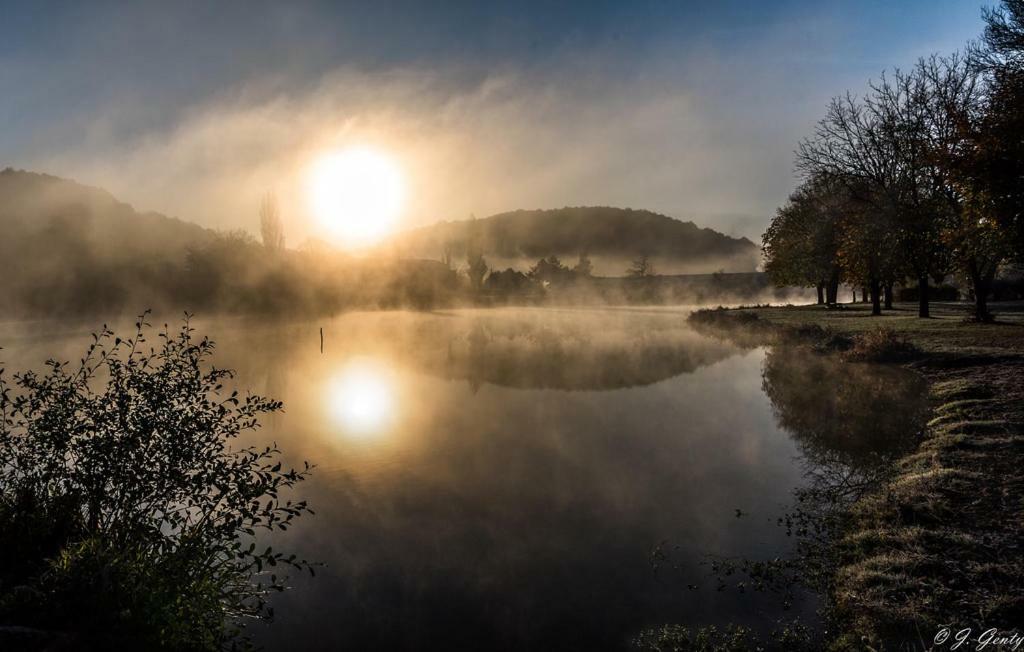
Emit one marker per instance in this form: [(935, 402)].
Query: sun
[(356, 195)]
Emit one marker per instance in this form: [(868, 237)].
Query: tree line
[(920, 177)]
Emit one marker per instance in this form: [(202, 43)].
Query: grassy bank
[(939, 543)]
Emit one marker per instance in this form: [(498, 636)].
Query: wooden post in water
[(321, 339)]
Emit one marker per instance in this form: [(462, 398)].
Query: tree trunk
[(982, 282), (832, 291), (922, 298), (888, 295), (821, 293), (864, 295), (854, 291), (876, 303)]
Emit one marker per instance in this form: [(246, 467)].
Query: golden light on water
[(356, 195), (361, 398)]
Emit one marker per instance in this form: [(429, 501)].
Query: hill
[(612, 237), (34, 204), (72, 250), (67, 248)]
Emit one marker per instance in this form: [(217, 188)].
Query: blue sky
[(692, 109)]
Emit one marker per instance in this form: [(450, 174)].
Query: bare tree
[(642, 267), (271, 228)]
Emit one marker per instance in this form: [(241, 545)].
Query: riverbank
[(939, 542)]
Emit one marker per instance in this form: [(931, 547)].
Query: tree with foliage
[(867, 251), (955, 105), (476, 268), (127, 514), (509, 281), (996, 168), (549, 270), (991, 230), (583, 267), (800, 246), (879, 147), (271, 228)]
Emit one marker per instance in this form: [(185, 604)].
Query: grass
[(946, 331), (939, 541)]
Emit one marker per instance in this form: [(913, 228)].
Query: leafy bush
[(126, 515)]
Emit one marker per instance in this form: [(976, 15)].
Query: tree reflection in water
[(850, 422)]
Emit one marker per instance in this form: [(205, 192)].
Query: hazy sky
[(691, 109)]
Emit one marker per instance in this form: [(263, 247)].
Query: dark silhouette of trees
[(550, 270), (878, 148), (1004, 33), (801, 244), (510, 281), (271, 228), (997, 168), (926, 169), (955, 105), (867, 252)]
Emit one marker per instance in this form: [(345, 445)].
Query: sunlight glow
[(356, 194), (361, 398)]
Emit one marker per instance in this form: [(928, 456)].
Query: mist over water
[(498, 479)]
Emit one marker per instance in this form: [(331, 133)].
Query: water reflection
[(497, 480), (361, 398), (850, 422), (846, 418), (566, 351)]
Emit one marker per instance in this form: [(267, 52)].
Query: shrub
[(130, 515), (880, 345)]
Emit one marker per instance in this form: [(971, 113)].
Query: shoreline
[(938, 542)]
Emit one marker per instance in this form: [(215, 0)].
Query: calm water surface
[(498, 479)]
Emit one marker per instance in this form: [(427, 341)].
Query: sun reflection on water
[(361, 398)]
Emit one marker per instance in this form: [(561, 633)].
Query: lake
[(499, 479)]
